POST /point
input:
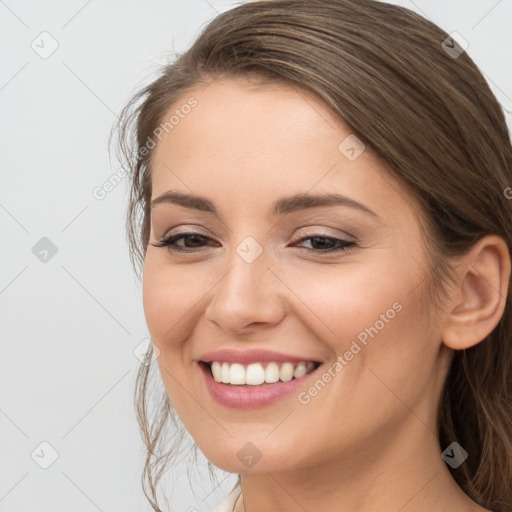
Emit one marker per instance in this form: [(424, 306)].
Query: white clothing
[(229, 503)]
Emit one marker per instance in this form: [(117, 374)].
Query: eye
[(320, 243), (327, 244), (170, 241)]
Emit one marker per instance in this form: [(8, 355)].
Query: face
[(254, 282)]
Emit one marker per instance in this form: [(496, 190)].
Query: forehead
[(236, 118), (265, 141)]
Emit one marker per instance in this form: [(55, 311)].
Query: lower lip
[(251, 397)]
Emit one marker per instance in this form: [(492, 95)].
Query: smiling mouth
[(257, 374)]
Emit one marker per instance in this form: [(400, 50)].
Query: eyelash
[(342, 245)]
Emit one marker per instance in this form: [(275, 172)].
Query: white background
[(69, 326)]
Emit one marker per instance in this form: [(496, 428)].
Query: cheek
[(170, 307), (169, 303), (339, 303), (377, 322)]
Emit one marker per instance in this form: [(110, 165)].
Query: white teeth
[(300, 370), (225, 373), (255, 374), (286, 372), (217, 371), (271, 373), (236, 374)]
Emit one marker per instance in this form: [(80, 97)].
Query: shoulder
[(229, 502)]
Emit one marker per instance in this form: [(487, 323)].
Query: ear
[(478, 300)]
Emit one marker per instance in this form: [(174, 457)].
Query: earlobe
[(480, 297)]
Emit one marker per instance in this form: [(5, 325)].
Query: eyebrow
[(281, 206)]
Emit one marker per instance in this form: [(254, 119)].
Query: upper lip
[(248, 356)]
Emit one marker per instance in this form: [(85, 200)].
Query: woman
[(319, 207)]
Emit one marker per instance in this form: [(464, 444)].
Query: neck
[(406, 474)]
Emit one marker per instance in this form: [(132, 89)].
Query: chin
[(232, 464), (257, 456)]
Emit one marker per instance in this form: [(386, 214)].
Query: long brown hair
[(429, 116)]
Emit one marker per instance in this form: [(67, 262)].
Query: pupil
[(198, 238), (323, 241)]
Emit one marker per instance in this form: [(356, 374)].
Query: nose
[(247, 298)]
